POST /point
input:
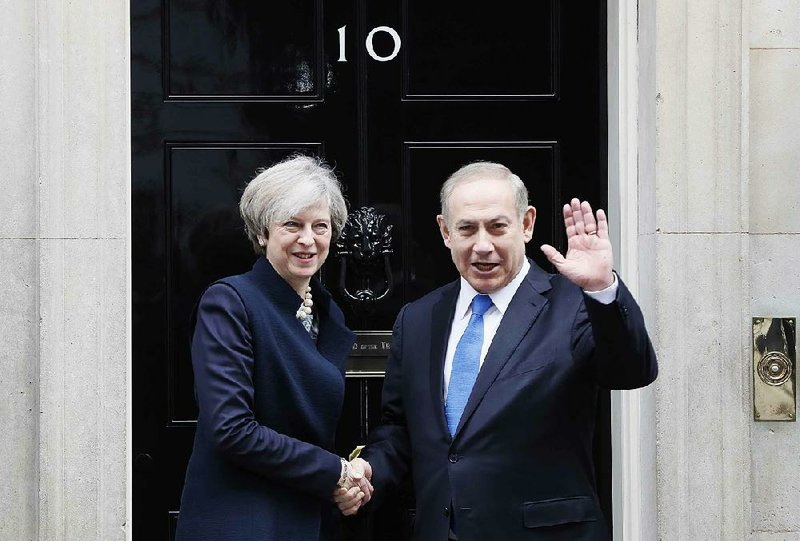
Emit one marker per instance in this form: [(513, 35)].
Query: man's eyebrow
[(493, 219)]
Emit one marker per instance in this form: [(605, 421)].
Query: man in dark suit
[(490, 390)]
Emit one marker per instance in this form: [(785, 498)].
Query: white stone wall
[(64, 244), (19, 254), (700, 271), (774, 264), (726, 187)]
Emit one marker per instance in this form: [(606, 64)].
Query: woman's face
[(297, 248)]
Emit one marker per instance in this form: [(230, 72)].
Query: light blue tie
[(466, 363)]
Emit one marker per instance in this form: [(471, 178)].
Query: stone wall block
[(775, 291), (702, 426), (671, 122), (53, 338), (774, 24), (699, 117), (85, 168), (774, 140), (114, 369), (84, 389), (783, 536), (18, 111), (52, 140), (19, 356)]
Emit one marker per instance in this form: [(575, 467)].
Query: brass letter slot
[(774, 369), (369, 355)]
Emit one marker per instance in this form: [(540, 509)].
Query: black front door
[(396, 95)]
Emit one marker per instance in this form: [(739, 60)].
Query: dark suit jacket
[(520, 464), (269, 402)]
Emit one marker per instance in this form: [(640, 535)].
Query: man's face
[(485, 234)]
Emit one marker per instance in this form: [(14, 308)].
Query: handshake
[(355, 488)]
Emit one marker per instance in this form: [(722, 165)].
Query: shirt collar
[(501, 298)]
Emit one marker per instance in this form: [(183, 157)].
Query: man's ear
[(528, 219), (443, 230)]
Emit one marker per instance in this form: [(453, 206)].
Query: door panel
[(220, 89), (243, 50), (206, 240), (476, 46)]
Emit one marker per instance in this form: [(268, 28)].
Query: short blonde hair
[(287, 188)]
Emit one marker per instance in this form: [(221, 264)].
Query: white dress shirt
[(491, 319)]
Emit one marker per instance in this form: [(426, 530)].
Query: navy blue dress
[(262, 466)]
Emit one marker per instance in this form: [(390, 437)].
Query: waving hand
[(589, 255)]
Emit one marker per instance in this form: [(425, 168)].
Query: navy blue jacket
[(519, 466), (269, 402)]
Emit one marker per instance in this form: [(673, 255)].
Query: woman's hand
[(357, 490)]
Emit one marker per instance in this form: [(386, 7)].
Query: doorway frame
[(633, 413), (631, 54)]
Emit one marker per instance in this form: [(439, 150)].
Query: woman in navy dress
[(268, 352)]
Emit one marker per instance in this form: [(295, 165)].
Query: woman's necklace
[(304, 312)]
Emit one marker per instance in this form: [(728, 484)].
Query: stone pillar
[(774, 265), (699, 223), (64, 269), (19, 254)]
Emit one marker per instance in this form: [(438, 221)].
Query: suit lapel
[(334, 342), (522, 312), (441, 318)]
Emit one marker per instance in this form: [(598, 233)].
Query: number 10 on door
[(368, 43)]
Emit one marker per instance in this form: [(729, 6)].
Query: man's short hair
[(484, 170)]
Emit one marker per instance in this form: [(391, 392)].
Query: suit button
[(447, 511), (453, 458)]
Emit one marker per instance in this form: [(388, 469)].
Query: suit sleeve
[(222, 359), (614, 339), (389, 447)]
